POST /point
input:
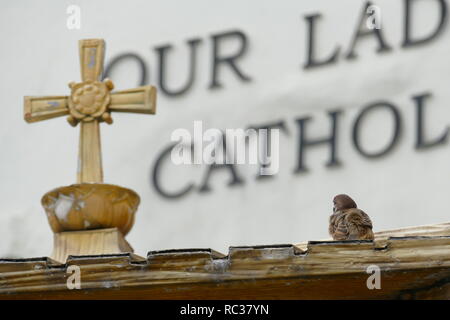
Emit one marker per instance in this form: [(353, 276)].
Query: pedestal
[(88, 242)]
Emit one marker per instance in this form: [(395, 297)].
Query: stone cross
[(90, 103)]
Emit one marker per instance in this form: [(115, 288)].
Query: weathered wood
[(410, 267), (90, 169), (440, 229), (138, 100), (90, 102), (43, 108), (89, 206), (92, 52), (91, 242)]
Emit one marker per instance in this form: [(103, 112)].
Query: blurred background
[(304, 67)]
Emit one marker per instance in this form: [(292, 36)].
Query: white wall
[(407, 187)]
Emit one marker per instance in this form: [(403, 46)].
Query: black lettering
[(156, 177), (395, 137), (162, 53), (219, 60), (331, 141), (421, 142), (128, 56), (312, 60), (363, 31), (408, 41)]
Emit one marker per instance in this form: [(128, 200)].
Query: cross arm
[(92, 52), (43, 108), (138, 100)]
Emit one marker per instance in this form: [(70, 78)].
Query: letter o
[(129, 56), (155, 177), (397, 123)]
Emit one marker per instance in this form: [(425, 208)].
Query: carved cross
[(90, 103)]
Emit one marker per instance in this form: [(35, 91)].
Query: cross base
[(89, 242), (90, 206)]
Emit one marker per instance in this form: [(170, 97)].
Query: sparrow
[(348, 222)]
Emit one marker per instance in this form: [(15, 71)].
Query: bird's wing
[(359, 217), (357, 222), (338, 227)]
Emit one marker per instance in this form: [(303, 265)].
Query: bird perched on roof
[(348, 222)]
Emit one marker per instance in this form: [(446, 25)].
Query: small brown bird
[(348, 222)]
